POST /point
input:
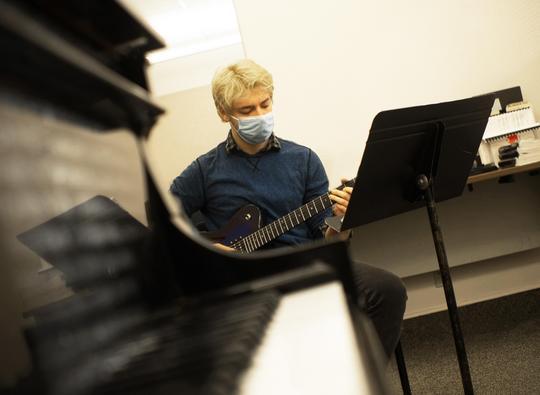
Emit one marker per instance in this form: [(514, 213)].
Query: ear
[(223, 115)]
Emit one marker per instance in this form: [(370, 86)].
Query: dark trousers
[(383, 298)]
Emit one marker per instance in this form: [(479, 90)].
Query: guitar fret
[(296, 215), (291, 221), (322, 203), (326, 201), (250, 244), (243, 246)]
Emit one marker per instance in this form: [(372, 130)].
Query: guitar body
[(243, 223)]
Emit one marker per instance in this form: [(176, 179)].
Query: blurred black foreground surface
[(110, 294)]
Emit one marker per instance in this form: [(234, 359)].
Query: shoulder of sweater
[(291, 145), (210, 155)]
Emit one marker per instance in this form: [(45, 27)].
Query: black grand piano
[(104, 290)]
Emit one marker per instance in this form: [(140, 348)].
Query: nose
[(259, 110)]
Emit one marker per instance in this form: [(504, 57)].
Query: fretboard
[(281, 225)]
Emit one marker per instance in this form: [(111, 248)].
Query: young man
[(254, 166)]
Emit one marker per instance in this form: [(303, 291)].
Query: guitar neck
[(282, 225)]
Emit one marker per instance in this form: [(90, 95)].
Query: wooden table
[(503, 172)]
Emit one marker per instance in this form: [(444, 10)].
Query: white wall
[(337, 64), (190, 128)]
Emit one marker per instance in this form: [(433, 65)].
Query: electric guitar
[(244, 233)]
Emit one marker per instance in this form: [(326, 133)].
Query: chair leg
[(402, 369)]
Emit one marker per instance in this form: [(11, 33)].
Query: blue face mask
[(255, 130)]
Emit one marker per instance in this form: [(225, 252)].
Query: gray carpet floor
[(502, 339)]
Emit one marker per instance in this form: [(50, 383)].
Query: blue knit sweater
[(278, 181)]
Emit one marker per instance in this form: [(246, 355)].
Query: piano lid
[(86, 56), (105, 27)]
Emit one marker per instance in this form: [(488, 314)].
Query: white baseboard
[(474, 282)]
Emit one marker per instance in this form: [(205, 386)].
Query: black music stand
[(415, 157)]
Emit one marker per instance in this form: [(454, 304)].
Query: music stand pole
[(424, 185)]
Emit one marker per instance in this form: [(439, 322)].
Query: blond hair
[(233, 81)]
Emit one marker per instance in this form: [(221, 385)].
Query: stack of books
[(508, 155), (529, 151), (504, 134)]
